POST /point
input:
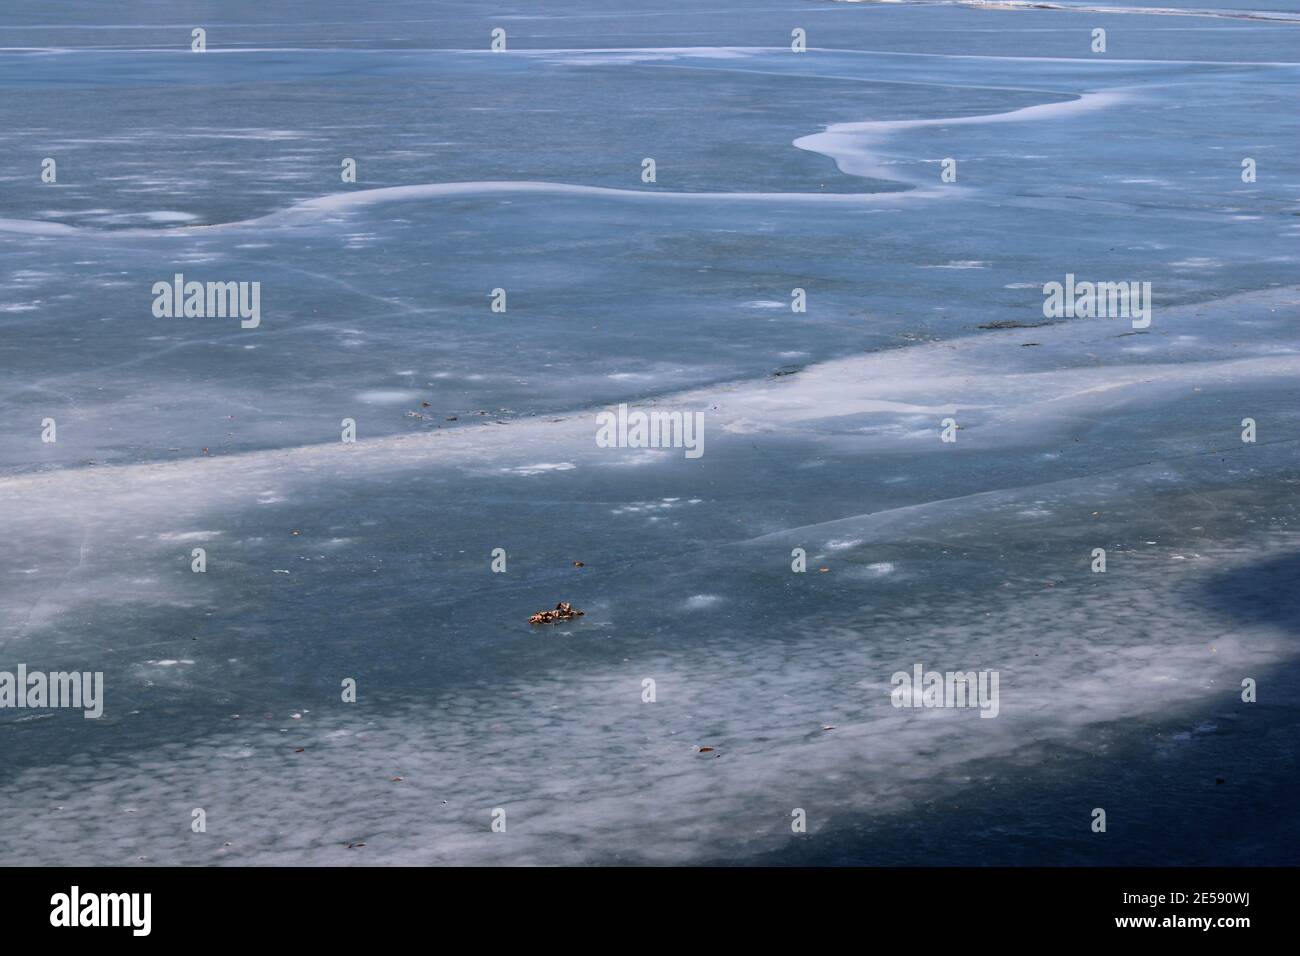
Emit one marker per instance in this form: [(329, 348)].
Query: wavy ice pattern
[(369, 560)]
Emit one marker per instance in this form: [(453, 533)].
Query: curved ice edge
[(847, 144), (317, 209), (850, 145)]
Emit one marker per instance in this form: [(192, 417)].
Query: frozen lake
[(518, 177)]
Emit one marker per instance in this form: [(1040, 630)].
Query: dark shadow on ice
[(1266, 593)]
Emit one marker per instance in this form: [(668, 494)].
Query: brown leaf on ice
[(564, 611)]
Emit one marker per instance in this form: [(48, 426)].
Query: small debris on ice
[(564, 611)]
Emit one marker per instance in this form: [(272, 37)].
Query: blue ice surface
[(476, 428)]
